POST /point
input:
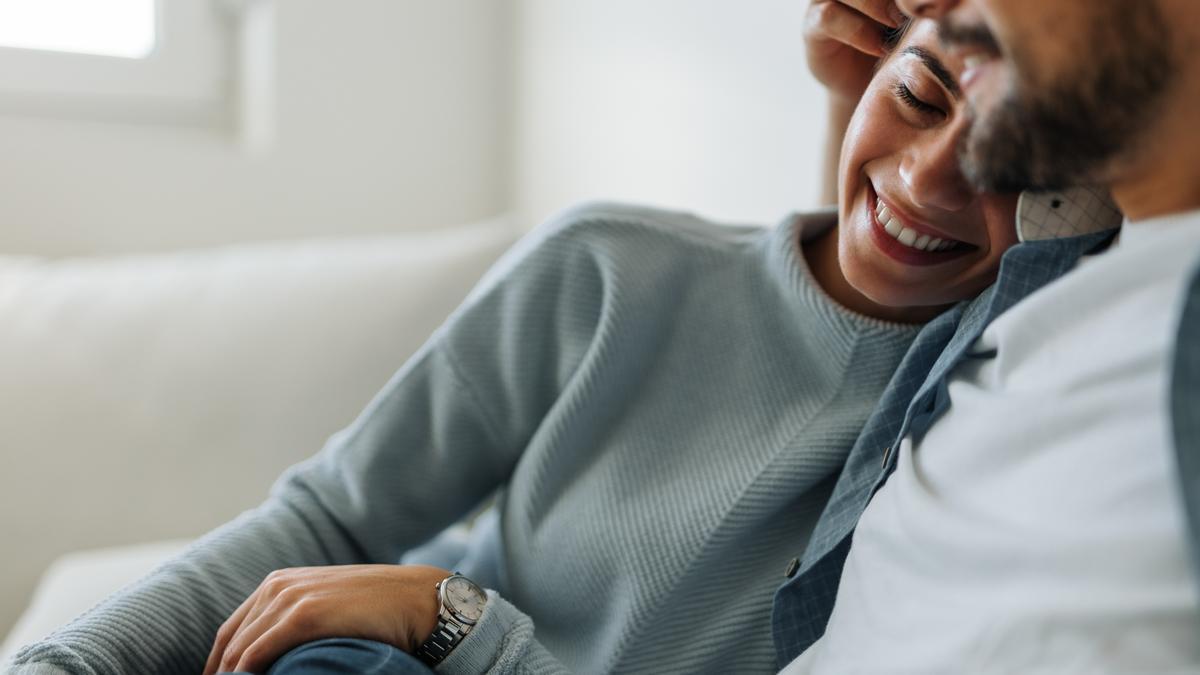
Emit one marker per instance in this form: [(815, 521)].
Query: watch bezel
[(449, 604)]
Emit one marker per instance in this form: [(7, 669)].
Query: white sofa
[(146, 399)]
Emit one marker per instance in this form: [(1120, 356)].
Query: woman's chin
[(900, 292), (892, 297), (894, 302)]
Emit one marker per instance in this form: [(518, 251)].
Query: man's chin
[(1048, 130), (1008, 151)]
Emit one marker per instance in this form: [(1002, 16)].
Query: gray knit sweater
[(665, 401)]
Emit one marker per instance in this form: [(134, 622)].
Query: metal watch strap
[(445, 637)]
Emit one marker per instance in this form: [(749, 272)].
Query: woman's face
[(912, 231)]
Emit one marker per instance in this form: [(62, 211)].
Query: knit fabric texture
[(665, 404)]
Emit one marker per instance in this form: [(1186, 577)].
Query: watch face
[(464, 598)]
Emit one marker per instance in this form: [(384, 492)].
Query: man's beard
[(1070, 131)]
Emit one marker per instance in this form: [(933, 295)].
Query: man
[(1038, 503)]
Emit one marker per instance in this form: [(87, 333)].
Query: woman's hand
[(394, 604), (844, 39)]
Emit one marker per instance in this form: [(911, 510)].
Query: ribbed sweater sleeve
[(428, 449), (503, 643)]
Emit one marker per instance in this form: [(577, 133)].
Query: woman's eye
[(910, 99)]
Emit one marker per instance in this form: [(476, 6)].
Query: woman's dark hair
[(893, 36)]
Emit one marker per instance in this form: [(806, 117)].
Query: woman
[(664, 402)]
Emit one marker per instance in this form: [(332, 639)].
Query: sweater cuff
[(500, 635)]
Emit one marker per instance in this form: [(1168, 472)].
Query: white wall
[(701, 104), (392, 115), (397, 114)]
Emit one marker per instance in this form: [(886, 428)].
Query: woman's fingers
[(271, 587), (885, 12), (253, 630), (227, 631), (839, 24), (386, 603), (266, 650)]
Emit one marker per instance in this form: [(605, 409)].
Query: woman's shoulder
[(615, 225), (594, 249)]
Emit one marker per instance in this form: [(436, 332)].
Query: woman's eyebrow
[(935, 66)]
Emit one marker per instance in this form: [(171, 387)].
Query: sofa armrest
[(154, 397), (77, 581)]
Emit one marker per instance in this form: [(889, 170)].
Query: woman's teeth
[(910, 237)]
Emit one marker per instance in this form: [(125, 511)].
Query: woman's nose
[(931, 174), (927, 8)]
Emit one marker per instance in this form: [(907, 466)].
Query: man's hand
[(844, 39), (393, 604)]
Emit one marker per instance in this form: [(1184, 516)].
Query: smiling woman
[(120, 28), (913, 236)]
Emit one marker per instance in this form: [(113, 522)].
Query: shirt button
[(792, 568), (887, 452)]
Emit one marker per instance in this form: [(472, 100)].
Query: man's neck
[(1164, 175)]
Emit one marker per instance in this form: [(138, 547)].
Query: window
[(121, 28), (198, 63)]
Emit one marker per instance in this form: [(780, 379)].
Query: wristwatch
[(462, 602)]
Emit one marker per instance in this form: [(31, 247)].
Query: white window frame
[(212, 66)]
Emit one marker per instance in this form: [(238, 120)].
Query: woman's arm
[(843, 41), (839, 112), (390, 481), (443, 434)]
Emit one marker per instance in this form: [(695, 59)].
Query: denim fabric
[(915, 399), (346, 656)]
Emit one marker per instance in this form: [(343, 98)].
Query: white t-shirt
[(1038, 526)]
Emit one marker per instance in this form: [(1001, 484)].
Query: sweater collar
[(787, 259)]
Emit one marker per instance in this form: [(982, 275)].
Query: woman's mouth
[(909, 236), (909, 242)]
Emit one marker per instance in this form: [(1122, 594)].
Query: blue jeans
[(347, 656)]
